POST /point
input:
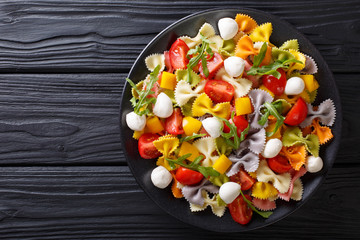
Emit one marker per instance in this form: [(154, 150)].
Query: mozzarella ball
[(135, 122), (161, 177), (314, 164), (228, 28), (163, 107), (234, 66), (272, 148), (212, 126), (294, 86), (229, 191)]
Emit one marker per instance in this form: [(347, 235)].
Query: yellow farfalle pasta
[(296, 66), (166, 144), (263, 190), (203, 105), (262, 33)]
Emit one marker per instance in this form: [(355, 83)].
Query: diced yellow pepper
[(310, 82), (154, 124), (262, 87), (137, 134), (187, 148), (191, 125), (168, 80), (243, 106), (222, 164)]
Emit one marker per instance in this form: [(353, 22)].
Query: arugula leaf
[(271, 68), (260, 57), (189, 138), (141, 103), (195, 165), (272, 109), (231, 138), (265, 214)]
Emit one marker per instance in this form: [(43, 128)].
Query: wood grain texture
[(106, 203), (73, 119), (107, 36)]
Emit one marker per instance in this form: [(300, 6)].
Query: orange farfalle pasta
[(324, 133), (245, 47), (296, 155), (174, 188), (246, 24)]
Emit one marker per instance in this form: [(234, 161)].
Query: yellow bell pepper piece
[(262, 87), (154, 124), (187, 148), (243, 106), (168, 80), (191, 125), (222, 164), (310, 82)]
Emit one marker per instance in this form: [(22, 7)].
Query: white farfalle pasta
[(212, 202), (193, 193), (183, 92), (154, 60), (206, 30), (298, 190), (207, 147), (280, 181), (241, 86)]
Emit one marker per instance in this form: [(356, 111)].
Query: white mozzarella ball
[(314, 164), (212, 126), (229, 191), (234, 66), (135, 122), (163, 107), (228, 28), (294, 86), (272, 148), (161, 177)]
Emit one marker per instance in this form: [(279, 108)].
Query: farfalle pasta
[(230, 118)]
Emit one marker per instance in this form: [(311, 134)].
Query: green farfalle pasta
[(219, 180), (293, 136), (183, 75), (281, 55), (290, 44), (222, 147), (228, 48)]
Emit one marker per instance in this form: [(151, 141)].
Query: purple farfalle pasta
[(325, 112), (310, 66), (193, 193), (246, 158), (258, 98), (254, 141)]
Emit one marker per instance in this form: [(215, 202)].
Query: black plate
[(141, 168)]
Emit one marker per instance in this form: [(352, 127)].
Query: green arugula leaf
[(264, 214), (260, 57), (272, 109), (271, 68), (189, 138), (142, 101), (195, 165)]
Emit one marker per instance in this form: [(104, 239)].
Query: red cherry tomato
[(240, 211), (146, 147), (173, 124), (241, 124), (187, 176), (168, 65), (178, 53), (279, 164), (213, 65), (244, 179), (297, 113), (277, 86), (219, 90)]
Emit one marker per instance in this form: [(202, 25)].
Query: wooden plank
[(107, 36), (106, 203), (72, 119)]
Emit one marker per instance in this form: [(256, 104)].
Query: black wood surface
[(62, 69)]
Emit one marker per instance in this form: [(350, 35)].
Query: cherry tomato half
[(240, 211), (279, 164), (213, 65), (178, 53), (297, 113), (241, 124), (219, 90), (244, 179), (277, 86), (187, 176), (173, 124), (146, 147)]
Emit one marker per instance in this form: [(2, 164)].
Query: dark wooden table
[(63, 66)]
